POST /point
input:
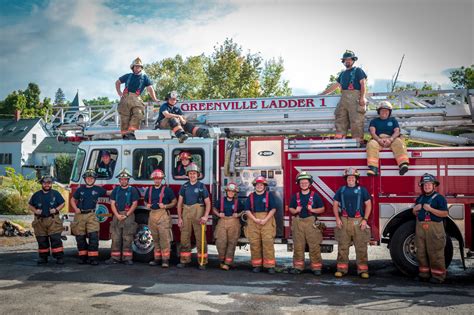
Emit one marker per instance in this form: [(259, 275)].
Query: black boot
[(42, 260), (82, 261), (403, 168)]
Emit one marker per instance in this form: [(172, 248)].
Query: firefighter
[(106, 166), (261, 226), (430, 238), (123, 202), (304, 206), (184, 159), (352, 207), (228, 210), (131, 107), (159, 199), (171, 117), (385, 133), (351, 108), (86, 225), (194, 206), (46, 205)]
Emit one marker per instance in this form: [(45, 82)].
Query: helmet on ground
[(89, 173), (384, 105), (46, 178), (192, 167), (428, 178), (232, 187), (260, 179), (349, 54), (304, 175), (351, 172), (185, 155), (124, 173), (157, 174), (136, 62), (172, 94)]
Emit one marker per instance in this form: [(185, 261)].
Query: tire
[(403, 250), (143, 244)]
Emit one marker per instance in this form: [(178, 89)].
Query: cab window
[(145, 161), (103, 161), (78, 163), (179, 167)]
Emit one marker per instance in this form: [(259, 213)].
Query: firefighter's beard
[(46, 188), (348, 64)]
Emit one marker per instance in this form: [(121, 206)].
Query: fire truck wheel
[(403, 250), (143, 244)]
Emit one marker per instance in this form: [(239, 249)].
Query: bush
[(63, 165), (11, 202)]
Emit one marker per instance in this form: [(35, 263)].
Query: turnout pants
[(159, 223), (48, 235), (131, 110), (191, 216), (86, 225), (122, 237), (398, 147), (304, 232), (430, 239), (227, 235), (349, 234), (177, 127), (261, 238), (349, 114)]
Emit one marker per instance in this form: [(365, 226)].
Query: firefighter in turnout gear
[(304, 206), (123, 201), (352, 207), (261, 226), (86, 225), (184, 159), (228, 210), (385, 133), (351, 108), (430, 238), (171, 117), (159, 199), (131, 107), (46, 205), (194, 206)]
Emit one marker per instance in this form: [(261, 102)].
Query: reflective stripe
[(127, 254), (269, 261), (195, 130), (298, 263), (257, 262), (401, 158), (83, 253), (424, 269), (228, 260), (342, 266), (221, 257), (115, 254), (177, 128), (185, 254), (201, 255), (93, 254), (43, 250), (362, 267), (438, 272), (57, 249), (316, 265), (374, 160)]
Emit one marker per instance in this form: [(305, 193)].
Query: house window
[(5, 158), (34, 139), (145, 161)]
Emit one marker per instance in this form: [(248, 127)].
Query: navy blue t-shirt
[(124, 197), (165, 107), (46, 201), (180, 169), (193, 194), (259, 202), (384, 126), (168, 196), (134, 83), (304, 200), (353, 75), (350, 199), (106, 170), (229, 206), (438, 202), (87, 197)]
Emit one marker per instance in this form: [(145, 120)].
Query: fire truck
[(282, 136)]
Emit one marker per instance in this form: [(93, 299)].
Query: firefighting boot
[(202, 267), (82, 261), (165, 263), (257, 269), (182, 136), (94, 262), (436, 281), (403, 168), (112, 261), (295, 271), (154, 263), (317, 272), (60, 261), (373, 171), (202, 132), (271, 270), (42, 261), (364, 275), (225, 267), (339, 274), (181, 265), (128, 262)]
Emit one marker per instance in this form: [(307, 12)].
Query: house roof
[(51, 145), (14, 131)]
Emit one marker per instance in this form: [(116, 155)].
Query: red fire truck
[(250, 139)]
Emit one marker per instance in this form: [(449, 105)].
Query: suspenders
[(343, 203), (267, 201), (162, 193), (236, 202)]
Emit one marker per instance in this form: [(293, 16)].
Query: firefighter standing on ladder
[(430, 238), (304, 206), (194, 206), (131, 107), (86, 225), (228, 210), (352, 207), (123, 202), (160, 199), (261, 227), (47, 225), (351, 108)]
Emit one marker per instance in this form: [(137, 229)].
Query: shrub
[(11, 202)]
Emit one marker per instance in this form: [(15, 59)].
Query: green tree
[(463, 78), (60, 98), (14, 101), (101, 100), (332, 80), (272, 82)]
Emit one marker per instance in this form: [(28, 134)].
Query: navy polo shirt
[(168, 196), (46, 201), (259, 202), (87, 197), (355, 74), (304, 200), (438, 202), (124, 197), (193, 194), (135, 81), (228, 206), (350, 196), (165, 107), (384, 126)]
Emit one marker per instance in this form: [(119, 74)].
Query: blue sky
[(86, 45)]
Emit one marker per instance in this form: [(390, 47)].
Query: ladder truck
[(279, 137)]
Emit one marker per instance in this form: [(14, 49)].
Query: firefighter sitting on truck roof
[(194, 206), (123, 202), (86, 225), (184, 159), (159, 199), (261, 226), (351, 108), (385, 133), (304, 206), (171, 117), (47, 225), (228, 210), (131, 107), (352, 207), (430, 238)]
